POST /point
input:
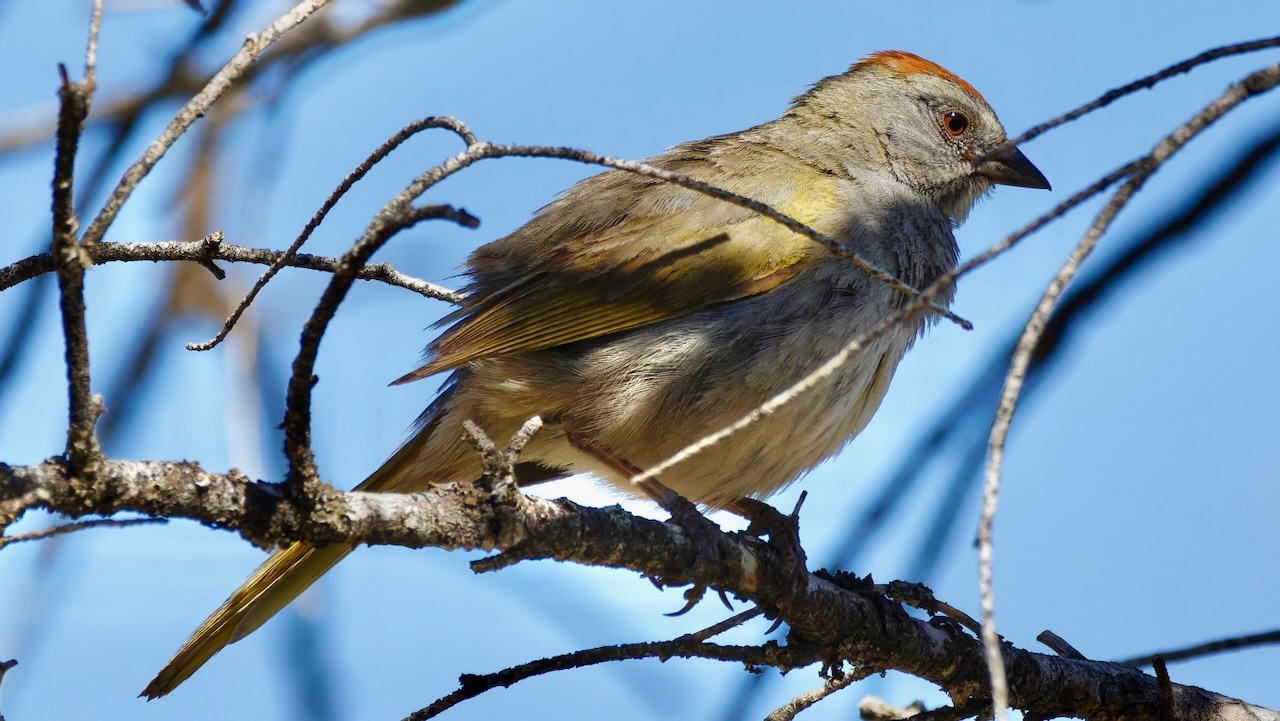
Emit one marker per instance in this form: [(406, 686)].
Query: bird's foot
[(784, 538)]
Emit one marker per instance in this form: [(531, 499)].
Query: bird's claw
[(784, 538)]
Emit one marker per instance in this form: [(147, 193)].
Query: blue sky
[(1139, 502)]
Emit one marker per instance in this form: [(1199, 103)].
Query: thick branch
[(843, 620)]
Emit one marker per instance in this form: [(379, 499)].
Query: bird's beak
[(1006, 165)]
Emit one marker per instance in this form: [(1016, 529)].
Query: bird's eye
[(955, 123)]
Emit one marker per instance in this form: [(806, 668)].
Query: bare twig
[(68, 255), (788, 711), (91, 47), (733, 621), (1258, 82), (65, 528), (1059, 645), (347, 183), (212, 248), (303, 481), (769, 654), (522, 437), (1204, 649), (917, 595), (253, 47), (1148, 82)]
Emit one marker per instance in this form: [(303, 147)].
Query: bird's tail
[(284, 576)]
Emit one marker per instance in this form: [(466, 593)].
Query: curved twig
[(1256, 83), (1148, 82)]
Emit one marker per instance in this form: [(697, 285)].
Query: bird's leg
[(702, 532), (784, 537)]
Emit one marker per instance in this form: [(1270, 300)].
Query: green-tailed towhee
[(635, 316)]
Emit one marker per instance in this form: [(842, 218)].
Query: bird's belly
[(643, 397)]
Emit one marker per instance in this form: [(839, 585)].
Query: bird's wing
[(639, 269)]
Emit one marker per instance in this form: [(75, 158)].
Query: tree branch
[(213, 248), (254, 46), (69, 259), (1256, 83), (835, 619)]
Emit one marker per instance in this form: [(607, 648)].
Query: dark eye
[(955, 123)]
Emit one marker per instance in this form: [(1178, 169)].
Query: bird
[(634, 315)]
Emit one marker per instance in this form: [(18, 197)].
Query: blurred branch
[(66, 528), (254, 46), (182, 79), (1233, 643)]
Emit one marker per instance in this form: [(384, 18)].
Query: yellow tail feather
[(284, 576)]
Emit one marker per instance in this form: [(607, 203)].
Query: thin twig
[(788, 711), (303, 482), (853, 347), (917, 595), (1145, 83), (254, 46), (91, 47), (1256, 83), (716, 629), (1204, 649), (65, 528), (770, 654), (69, 256), (347, 183), (521, 438), (204, 250)]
